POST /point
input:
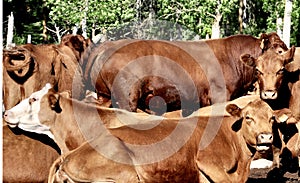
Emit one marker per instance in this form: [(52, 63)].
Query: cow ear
[(54, 102), (292, 66), (233, 110), (284, 115), (264, 41), (264, 36), (248, 60), (289, 55), (236, 126)]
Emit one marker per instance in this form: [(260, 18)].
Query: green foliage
[(127, 18)]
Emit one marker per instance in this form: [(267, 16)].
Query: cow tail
[(54, 169)]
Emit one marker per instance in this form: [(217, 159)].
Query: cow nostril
[(5, 113), (265, 138)]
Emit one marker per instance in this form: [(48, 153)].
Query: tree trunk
[(216, 25), (10, 31), (57, 32), (287, 22), (84, 27), (45, 37), (279, 25), (241, 16)]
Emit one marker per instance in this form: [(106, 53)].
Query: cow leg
[(277, 145), (203, 178)]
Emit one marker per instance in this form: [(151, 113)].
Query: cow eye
[(272, 119), (258, 72), (248, 119), (31, 100), (280, 72)]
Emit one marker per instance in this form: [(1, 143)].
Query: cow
[(276, 74), (27, 157), (27, 68), (293, 145), (71, 123), (77, 43), (226, 159), (202, 72), (73, 136)]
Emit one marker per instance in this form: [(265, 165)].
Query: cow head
[(77, 43), (19, 63), (272, 41), (254, 123), (295, 65), (270, 70), (25, 115)]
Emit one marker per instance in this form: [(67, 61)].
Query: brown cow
[(27, 68), (293, 145), (77, 43), (26, 159), (226, 159), (276, 74), (203, 72), (272, 76), (70, 123)]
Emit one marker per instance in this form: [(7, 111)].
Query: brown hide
[(294, 103), (24, 158), (77, 43), (198, 70), (27, 68), (63, 114), (272, 76), (274, 72), (226, 159)]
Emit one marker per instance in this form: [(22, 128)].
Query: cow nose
[(269, 94), (7, 114), (265, 138)]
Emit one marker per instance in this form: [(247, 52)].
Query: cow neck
[(66, 131), (246, 148)]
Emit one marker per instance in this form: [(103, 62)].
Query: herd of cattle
[(164, 111)]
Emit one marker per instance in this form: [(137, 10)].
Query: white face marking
[(25, 114)]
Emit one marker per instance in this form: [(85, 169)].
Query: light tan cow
[(188, 149)]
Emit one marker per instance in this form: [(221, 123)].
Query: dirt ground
[(265, 176)]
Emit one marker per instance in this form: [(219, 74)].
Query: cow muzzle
[(10, 119), (264, 141), (269, 94)]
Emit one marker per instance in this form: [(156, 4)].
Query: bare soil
[(267, 175)]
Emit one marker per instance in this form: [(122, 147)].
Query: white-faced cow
[(132, 72), (27, 68), (226, 158)]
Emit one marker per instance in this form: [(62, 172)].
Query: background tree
[(47, 20), (287, 22)]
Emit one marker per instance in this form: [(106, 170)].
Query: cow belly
[(25, 159)]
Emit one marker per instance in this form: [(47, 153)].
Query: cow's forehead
[(41, 92), (269, 62), (258, 109)]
